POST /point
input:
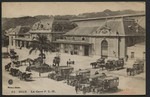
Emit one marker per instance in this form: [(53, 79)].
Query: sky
[(19, 9)]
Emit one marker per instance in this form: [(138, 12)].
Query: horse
[(14, 72), (94, 64), (130, 71), (28, 69), (25, 76)]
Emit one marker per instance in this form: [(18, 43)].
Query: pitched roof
[(108, 17), (115, 28), (81, 31), (24, 30), (131, 28), (43, 25), (20, 30)]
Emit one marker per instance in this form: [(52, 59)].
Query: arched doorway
[(104, 49)]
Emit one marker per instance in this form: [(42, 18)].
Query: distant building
[(22, 36), (19, 36), (105, 37)]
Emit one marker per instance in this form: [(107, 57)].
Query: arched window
[(104, 48)]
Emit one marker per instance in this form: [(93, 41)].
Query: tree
[(42, 44)]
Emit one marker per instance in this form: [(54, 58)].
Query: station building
[(105, 36)]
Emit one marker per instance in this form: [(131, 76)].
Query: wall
[(123, 47), (112, 46)]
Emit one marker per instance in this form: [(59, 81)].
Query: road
[(44, 86)]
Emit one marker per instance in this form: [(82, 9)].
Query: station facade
[(105, 37)]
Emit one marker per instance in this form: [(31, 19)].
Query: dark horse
[(130, 71)]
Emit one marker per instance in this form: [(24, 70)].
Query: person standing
[(127, 57), (76, 87), (68, 62)]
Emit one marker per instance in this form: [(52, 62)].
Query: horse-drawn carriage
[(104, 83), (14, 71), (100, 83), (115, 64), (13, 55), (25, 75), (93, 79), (137, 68), (72, 79), (83, 76), (60, 73), (99, 63), (110, 83), (80, 76), (109, 65)]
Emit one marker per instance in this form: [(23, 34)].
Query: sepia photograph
[(73, 48)]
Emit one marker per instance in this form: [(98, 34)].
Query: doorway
[(104, 49), (86, 50)]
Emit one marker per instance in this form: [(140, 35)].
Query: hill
[(29, 21)]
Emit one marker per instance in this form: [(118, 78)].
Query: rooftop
[(123, 27), (43, 25), (20, 30), (81, 31), (108, 17)]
